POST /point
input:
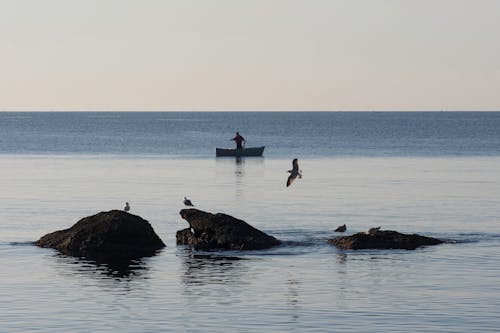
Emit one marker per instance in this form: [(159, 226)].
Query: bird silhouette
[(294, 173), (127, 207), (341, 228), (187, 202)]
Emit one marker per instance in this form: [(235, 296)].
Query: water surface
[(447, 188)]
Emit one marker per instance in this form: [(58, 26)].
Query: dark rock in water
[(114, 234), (221, 231), (383, 239)]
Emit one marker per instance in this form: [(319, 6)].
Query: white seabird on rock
[(187, 202), (372, 231)]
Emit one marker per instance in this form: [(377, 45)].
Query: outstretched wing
[(290, 180)]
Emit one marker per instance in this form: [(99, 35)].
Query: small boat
[(251, 151)]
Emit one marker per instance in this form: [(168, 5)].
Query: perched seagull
[(187, 202), (127, 207), (372, 231), (341, 228), (294, 173)]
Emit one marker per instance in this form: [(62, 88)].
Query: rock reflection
[(341, 258), (207, 269), (125, 269), (293, 298)]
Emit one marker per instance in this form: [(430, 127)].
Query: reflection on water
[(243, 169), (240, 167), (219, 278), (240, 173), (204, 269), (117, 269), (293, 298), (341, 258)]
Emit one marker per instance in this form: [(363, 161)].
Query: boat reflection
[(240, 166), (243, 169)]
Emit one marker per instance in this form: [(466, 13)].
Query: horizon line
[(225, 110)]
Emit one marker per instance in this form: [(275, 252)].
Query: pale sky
[(251, 55)]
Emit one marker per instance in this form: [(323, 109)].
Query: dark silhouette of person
[(239, 140)]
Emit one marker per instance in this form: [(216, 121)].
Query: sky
[(249, 55)]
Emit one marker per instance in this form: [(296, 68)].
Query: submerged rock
[(114, 234), (383, 239), (220, 231)]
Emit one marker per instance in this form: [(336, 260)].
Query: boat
[(251, 151)]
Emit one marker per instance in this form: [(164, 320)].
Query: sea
[(432, 173)]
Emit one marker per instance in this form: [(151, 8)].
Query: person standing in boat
[(239, 140)]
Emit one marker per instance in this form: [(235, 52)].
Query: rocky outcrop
[(220, 231), (114, 235), (383, 239)]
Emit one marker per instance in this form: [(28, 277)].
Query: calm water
[(429, 173), (306, 134)]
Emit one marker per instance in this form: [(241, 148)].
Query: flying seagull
[(294, 173), (187, 202), (127, 207), (341, 228), (372, 231)]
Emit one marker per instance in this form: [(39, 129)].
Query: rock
[(221, 231), (383, 239), (114, 234)]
